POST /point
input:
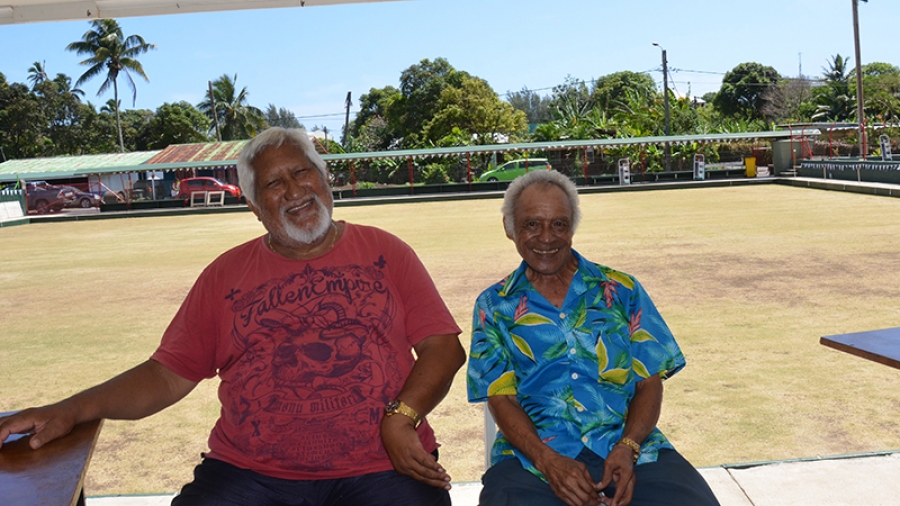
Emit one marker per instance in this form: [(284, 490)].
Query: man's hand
[(570, 481), (46, 423), (619, 468), (407, 454)]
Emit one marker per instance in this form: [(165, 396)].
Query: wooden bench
[(50, 476)]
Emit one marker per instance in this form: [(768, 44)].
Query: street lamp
[(860, 109), (665, 67)]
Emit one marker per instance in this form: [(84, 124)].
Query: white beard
[(312, 233)]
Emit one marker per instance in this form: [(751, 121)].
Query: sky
[(307, 59)]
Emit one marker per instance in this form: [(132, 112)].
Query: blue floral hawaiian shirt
[(573, 369)]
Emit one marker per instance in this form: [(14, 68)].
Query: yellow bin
[(750, 166)]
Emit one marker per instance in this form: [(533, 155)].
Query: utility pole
[(860, 109), (347, 104), (665, 66), (212, 103)]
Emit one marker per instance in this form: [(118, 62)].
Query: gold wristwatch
[(397, 406)]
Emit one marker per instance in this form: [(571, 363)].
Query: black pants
[(670, 481), (217, 483)]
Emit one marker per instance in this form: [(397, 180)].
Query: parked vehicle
[(151, 189), (205, 184), (83, 200), (44, 197), (511, 170)]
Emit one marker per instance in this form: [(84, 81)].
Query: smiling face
[(542, 229), (292, 200)]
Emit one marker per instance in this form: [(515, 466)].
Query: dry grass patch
[(748, 278)]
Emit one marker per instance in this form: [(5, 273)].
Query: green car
[(511, 170)]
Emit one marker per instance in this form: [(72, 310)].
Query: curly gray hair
[(544, 177)]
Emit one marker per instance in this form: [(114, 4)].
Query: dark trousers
[(670, 481), (217, 483)]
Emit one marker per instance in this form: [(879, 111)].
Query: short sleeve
[(490, 370), (653, 347)]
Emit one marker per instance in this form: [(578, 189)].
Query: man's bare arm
[(439, 357), (137, 393), (643, 414)]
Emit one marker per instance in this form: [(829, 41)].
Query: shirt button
[(580, 409), (574, 375), (584, 439), (572, 351), (562, 315)]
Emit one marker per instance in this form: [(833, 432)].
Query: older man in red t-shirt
[(310, 329)]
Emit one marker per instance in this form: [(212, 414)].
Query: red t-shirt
[(308, 352)]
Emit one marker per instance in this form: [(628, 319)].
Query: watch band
[(635, 448), (399, 407)]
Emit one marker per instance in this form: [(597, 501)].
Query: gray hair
[(272, 138), (544, 177)]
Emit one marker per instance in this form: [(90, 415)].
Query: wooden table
[(882, 346), (50, 476)]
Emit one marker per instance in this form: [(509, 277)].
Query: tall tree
[(176, 123), (476, 109), (611, 90), (535, 106), (743, 88), (375, 106), (65, 115), (281, 117), (421, 86), (835, 101), (111, 53), (21, 121), (882, 84), (571, 98), (37, 73), (237, 118)]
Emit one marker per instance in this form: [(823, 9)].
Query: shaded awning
[(31, 11), (224, 154), (72, 166), (569, 144)]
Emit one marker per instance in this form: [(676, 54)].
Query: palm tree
[(111, 53), (37, 73), (835, 101), (237, 119)]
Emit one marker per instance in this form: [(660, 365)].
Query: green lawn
[(748, 278)]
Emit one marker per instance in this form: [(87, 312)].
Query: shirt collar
[(517, 280)]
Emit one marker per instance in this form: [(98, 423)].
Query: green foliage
[(536, 107), (789, 101), (614, 89), (835, 101), (237, 118), (882, 92), (475, 108), (434, 173), (176, 123), (743, 89), (375, 104), (571, 98), (112, 53), (372, 135), (21, 120), (421, 86), (281, 117)]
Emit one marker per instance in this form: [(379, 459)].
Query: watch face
[(392, 406)]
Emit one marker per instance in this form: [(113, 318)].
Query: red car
[(205, 184)]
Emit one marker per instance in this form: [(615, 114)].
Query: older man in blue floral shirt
[(570, 356)]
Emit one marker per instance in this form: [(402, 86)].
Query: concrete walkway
[(870, 479)]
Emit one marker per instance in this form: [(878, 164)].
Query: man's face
[(543, 228), (293, 200)]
